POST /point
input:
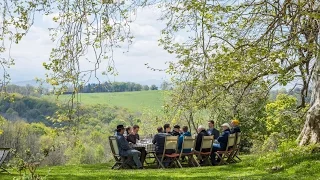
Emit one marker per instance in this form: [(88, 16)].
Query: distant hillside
[(33, 83), (135, 101)]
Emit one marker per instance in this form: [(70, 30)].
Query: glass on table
[(131, 144), (143, 140)]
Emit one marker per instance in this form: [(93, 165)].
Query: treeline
[(29, 90), (116, 87)]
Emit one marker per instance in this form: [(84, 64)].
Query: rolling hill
[(134, 101)]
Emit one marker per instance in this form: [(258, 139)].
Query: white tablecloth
[(148, 146)]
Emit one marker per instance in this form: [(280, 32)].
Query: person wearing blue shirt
[(180, 141), (222, 142), (125, 149)]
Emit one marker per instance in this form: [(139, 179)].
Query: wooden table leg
[(160, 164)]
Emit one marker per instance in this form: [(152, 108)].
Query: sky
[(35, 48)]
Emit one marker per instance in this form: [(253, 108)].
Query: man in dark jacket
[(212, 131), (180, 140), (159, 140), (235, 126), (223, 142), (176, 130), (134, 136), (125, 149), (167, 128), (201, 132)]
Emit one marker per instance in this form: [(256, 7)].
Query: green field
[(134, 101), (293, 166)]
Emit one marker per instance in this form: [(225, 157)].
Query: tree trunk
[(310, 133), (192, 121)]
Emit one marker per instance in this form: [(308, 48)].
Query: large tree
[(234, 45), (82, 26), (311, 129)]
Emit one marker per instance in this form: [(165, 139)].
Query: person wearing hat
[(222, 142), (176, 130), (125, 149), (235, 126)]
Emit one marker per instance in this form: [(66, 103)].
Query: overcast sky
[(34, 49)]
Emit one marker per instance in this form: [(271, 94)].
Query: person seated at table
[(127, 132), (212, 131), (180, 141), (167, 128), (235, 126), (201, 132), (159, 140), (125, 149), (134, 136), (222, 142), (176, 130)]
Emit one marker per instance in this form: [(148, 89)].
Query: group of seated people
[(131, 136), (126, 136)]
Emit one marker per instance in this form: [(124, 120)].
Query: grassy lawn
[(306, 166), (134, 101)]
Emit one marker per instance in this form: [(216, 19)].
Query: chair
[(236, 149), (170, 144), (206, 148), (3, 154), (229, 150), (188, 143), (121, 161)]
